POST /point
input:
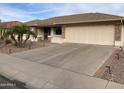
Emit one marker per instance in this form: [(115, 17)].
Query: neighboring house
[(8, 25), (87, 28), (11, 23)]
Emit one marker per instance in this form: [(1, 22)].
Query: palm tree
[(17, 33), (2, 32)]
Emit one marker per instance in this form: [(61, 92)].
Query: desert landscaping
[(10, 48), (116, 71)]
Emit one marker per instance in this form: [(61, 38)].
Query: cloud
[(30, 11), (66, 9), (8, 13), (42, 11)]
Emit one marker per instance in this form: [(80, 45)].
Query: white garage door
[(103, 35)]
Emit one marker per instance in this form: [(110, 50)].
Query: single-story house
[(87, 28)]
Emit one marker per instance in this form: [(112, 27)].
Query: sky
[(30, 11)]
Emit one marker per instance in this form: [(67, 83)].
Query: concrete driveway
[(58, 66), (79, 58)]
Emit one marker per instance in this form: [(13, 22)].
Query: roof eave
[(88, 21)]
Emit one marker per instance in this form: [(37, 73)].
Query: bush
[(8, 41)]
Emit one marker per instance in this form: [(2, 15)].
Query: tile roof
[(77, 18), (11, 23)]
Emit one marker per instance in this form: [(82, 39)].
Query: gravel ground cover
[(116, 71), (8, 49)]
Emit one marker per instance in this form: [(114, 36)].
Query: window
[(57, 31)]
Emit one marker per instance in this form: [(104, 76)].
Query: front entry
[(47, 33)]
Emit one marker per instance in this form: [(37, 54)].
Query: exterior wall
[(39, 32), (63, 31), (32, 38), (56, 38), (122, 36), (90, 34), (120, 42)]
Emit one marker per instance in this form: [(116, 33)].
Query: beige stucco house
[(87, 28)]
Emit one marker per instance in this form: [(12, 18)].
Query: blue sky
[(30, 11)]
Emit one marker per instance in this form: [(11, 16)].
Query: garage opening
[(96, 34)]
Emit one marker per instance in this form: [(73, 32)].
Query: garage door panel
[(103, 35)]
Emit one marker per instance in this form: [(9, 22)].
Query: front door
[(46, 33)]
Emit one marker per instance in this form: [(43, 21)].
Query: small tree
[(17, 33)]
